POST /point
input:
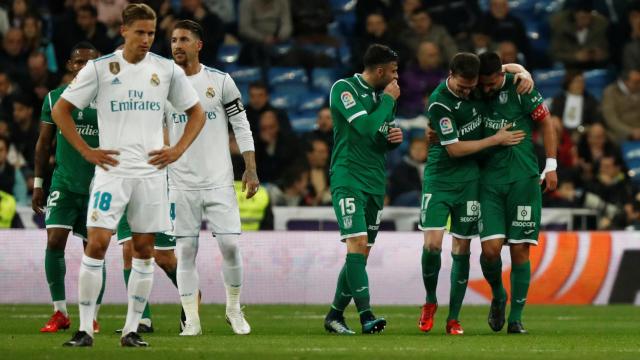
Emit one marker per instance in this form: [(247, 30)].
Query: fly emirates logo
[(136, 102)]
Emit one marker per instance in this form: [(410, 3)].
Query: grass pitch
[(296, 332)]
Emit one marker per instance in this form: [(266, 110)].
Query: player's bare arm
[(503, 137), (163, 157), (61, 114), (43, 152), (549, 175), (250, 181)]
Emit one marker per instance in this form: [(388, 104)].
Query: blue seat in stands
[(323, 78), (596, 80), (288, 79), (549, 82), (229, 54), (312, 101), (244, 74), (631, 156), (285, 100), (303, 122)]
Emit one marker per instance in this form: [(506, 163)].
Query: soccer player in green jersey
[(510, 195), (66, 206), (450, 185), (363, 111)]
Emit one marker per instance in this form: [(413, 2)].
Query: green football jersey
[(506, 164), (72, 172), (361, 120), (453, 119)]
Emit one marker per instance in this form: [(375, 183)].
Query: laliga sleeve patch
[(446, 127), (347, 100)]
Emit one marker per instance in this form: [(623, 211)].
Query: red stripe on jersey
[(540, 112)]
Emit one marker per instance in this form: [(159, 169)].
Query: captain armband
[(234, 108)]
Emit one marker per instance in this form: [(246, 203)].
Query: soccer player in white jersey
[(201, 181), (130, 87)]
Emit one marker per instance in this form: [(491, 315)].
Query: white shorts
[(219, 207), (147, 199)]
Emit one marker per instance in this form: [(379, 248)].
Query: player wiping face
[(385, 77)]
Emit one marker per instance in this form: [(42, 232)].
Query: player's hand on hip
[(250, 182), (393, 89), (524, 81), (37, 200), (395, 135), (508, 138), (101, 157), (551, 180), (163, 157)]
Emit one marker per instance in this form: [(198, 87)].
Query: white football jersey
[(206, 164), (130, 99)]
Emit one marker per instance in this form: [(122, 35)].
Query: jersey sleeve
[(84, 87), (232, 101), (530, 102), (47, 106), (441, 121), (181, 94), (345, 99)]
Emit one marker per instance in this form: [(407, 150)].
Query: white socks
[(231, 268), (61, 305), (140, 284), (187, 276), (89, 284)]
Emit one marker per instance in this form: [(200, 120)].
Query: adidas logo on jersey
[(116, 81)]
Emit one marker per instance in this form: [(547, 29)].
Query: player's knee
[(228, 245), (490, 254), (519, 253), (166, 260), (357, 245), (432, 247), (56, 240)]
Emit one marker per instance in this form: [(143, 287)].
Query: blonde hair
[(133, 12)]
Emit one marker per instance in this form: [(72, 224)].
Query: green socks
[(55, 269), (146, 313), (358, 281), (342, 298), (430, 271), (520, 277), (104, 282), (459, 279), (492, 271)]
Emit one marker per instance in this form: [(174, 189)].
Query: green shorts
[(67, 210), (358, 213), (460, 200), (511, 211), (163, 241)]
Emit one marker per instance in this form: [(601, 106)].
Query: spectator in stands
[(621, 106), (420, 77), (310, 20), (41, 80), (6, 89), (291, 190), (579, 37), (456, 15), (92, 30), (376, 32), (4, 21), (65, 30), (275, 150), (422, 29), (509, 53), (24, 130), (261, 25), (324, 128), (214, 28), (224, 9), (7, 210), (110, 14), (567, 151), (390, 9), (36, 42), (594, 145), (18, 12), (632, 211), (502, 26), (608, 192), (405, 182), (567, 195), (13, 58), (318, 158), (258, 104), (575, 107), (479, 41), (11, 179), (631, 52)]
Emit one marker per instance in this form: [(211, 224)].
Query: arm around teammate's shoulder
[(502, 137)]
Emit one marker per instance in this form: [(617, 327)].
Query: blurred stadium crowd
[(284, 56)]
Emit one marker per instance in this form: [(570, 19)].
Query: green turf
[(295, 332)]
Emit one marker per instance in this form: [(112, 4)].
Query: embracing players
[(201, 181), (66, 208), (130, 87), (363, 111), (510, 196)]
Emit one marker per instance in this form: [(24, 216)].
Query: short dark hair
[(90, 9), (190, 25), (23, 98), (466, 65), (378, 54), (490, 63), (83, 45), (133, 12), (420, 10), (258, 85), (569, 76)]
